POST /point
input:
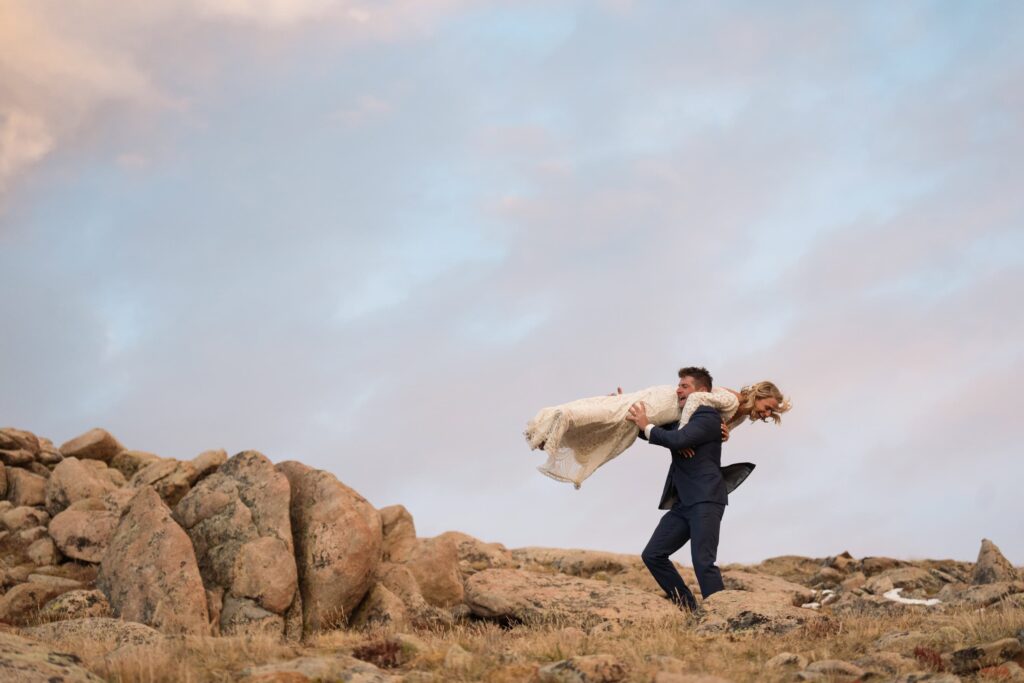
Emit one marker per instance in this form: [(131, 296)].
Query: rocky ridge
[(94, 534)]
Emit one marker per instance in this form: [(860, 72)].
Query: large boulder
[(381, 607), (170, 478), (76, 604), (95, 444), (435, 564), (20, 604), (239, 521), (29, 661), (338, 542), (515, 595), (72, 480), (25, 488), (130, 462), (84, 534), (476, 555), (770, 612), (102, 631), (399, 533), (149, 571), (992, 566)]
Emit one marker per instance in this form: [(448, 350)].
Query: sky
[(377, 237)]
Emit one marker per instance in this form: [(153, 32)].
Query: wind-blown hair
[(760, 390)]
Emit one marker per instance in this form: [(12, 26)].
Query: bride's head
[(763, 401)]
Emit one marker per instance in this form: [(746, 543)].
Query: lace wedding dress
[(582, 435)]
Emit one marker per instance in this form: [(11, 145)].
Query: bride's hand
[(617, 392), (725, 432)]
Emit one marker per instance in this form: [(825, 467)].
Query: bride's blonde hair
[(760, 390)]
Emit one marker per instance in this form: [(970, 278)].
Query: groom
[(695, 493)]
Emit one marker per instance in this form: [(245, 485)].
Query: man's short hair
[(701, 377)]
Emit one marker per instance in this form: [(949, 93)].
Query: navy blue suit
[(695, 496)]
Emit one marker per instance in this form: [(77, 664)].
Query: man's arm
[(705, 426)]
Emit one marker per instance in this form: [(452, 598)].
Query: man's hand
[(617, 392), (725, 432), (687, 452), (638, 416)]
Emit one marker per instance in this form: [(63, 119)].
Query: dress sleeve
[(722, 400)]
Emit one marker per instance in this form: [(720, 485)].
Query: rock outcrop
[(519, 596), (149, 571), (238, 521), (338, 540)]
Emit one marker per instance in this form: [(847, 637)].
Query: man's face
[(685, 388)]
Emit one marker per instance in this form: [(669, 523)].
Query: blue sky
[(377, 238)]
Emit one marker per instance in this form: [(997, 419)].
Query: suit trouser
[(698, 523)]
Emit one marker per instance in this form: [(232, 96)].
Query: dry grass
[(514, 654)]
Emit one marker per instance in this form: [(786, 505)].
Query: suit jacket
[(698, 479)]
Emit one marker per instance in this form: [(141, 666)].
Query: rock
[(238, 520), (618, 568), (732, 610), (435, 564), (334, 667), (95, 444), (399, 534), (982, 595), (875, 565), (12, 439), (25, 488), (245, 616), (905, 642), (787, 660), (854, 581), (879, 585), (971, 659), (49, 456), (381, 607), (18, 458), (666, 677), (338, 542), (765, 583), (476, 555), (25, 661), (457, 659), (408, 646), (911, 578), (130, 462), (207, 462), (399, 580), (149, 572), (522, 596), (38, 468), (885, 664), (24, 517), (928, 677), (21, 603), (835, 668), (171, 479), (102, 631), (584, 669), (84, 534), (828, 576), (32, 534), (76, 604), (53, 580), (43, 552), (3, 484), (991, 566)]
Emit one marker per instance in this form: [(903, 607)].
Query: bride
[(582, 435)]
